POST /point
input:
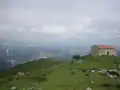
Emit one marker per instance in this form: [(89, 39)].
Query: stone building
[(99, 50)]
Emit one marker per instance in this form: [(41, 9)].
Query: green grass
[(61, 78)]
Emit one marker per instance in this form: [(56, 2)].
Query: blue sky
[(60, 22)]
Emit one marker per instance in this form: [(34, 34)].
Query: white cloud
[(54, 29), (5, 27), (59, 20)]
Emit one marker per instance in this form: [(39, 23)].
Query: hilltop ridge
[(48, 73)]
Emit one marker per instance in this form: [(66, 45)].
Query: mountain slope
[(61, 77), (118, 53)]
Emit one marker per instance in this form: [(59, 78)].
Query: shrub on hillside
[(72, 72), (38, 78), (76, 57)]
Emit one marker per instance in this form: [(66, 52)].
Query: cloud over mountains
[(85, 21)]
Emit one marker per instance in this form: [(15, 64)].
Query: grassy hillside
[(60, 75)]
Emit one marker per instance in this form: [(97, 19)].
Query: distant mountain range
[(118, 53), (12, 55), (4, 64)]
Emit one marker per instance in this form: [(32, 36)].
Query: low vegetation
[(48, 74)]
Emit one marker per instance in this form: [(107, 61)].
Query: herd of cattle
[(111, 73)]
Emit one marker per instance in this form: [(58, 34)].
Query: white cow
[(89, 88), (92, 82), (13, 88)]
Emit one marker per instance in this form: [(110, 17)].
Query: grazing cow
[(89, 88), (92, 70), (92, 82), (112, 74), (32, 88), (14, 88), (21, 73)]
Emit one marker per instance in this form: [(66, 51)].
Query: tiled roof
[(105, 47)]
